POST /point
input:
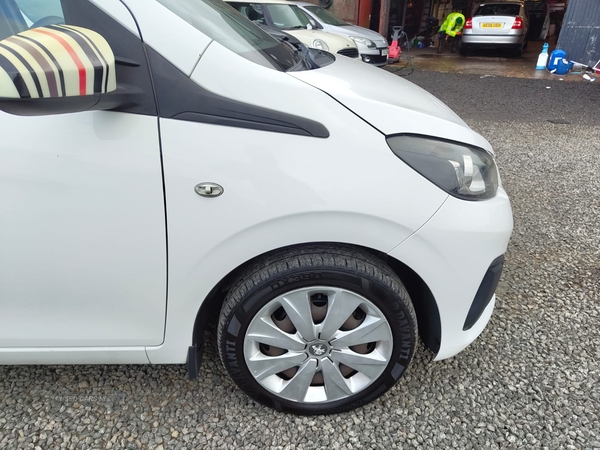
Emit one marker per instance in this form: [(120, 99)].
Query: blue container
[(558, 63)]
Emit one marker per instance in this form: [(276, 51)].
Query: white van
[(162, 159)]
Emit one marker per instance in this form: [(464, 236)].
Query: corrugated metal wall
[(580, 32)]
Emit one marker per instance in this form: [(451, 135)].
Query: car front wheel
[(317, 330)]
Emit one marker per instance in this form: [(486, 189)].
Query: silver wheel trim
[(327, 336)]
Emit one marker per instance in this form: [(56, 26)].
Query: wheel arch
[(428, 316)]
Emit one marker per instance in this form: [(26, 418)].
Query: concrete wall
[(344, 9)]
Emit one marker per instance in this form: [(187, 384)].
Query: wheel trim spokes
[(265, 331), (367, 364), (297, 387), (335, 384), (297, 307), (349, 360), (263, 366), (373, 329), (340, 307)]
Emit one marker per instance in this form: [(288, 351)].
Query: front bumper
[(452, 253), (484, 293), (376, 56)]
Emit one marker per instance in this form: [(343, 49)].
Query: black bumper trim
[(485, 292)]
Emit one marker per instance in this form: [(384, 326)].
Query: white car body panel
[(389, 103), (258, 169), (177, 41), (451, 253), (83, 231), (278, 91), (73, 355), (334, 42), (253, 177)]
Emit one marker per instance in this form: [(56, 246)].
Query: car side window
[(255, 13), (252, 11), (17, 16), (37, 10)]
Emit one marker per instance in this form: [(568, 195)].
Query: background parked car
[(372, 46), (291, 19), (497, 25)]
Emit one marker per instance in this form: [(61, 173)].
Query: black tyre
[(519, 50), (317, 330)]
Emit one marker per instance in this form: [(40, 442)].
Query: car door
[(546, 25), (82, 221)]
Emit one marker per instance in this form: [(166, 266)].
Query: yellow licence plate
[(491, 25)]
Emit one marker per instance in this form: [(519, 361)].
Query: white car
[(290, 18), (372, 46), (178, 159)]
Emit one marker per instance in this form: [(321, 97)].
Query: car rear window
[(498, 10)]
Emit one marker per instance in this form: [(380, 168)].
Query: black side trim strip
[(485, 292), (240, 123), (182, 99), (120, 61)]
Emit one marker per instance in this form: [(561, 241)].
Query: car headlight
[(462, 170), (366, 42), (320, 45)]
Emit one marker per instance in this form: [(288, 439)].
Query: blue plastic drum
[(558, 63)]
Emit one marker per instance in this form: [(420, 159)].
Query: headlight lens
[(462, 170), (320, 45), (367, 42)]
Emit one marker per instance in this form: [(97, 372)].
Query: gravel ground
[(530, 381)]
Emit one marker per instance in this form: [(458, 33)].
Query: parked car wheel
[(519, 50), (317, 330)]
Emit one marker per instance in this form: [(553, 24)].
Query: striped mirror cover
[(56, 61)]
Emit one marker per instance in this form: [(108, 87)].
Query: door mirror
[(55, 69)]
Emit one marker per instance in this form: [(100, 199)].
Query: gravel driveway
[(531, 380)]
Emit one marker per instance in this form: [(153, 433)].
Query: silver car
[(372, 46), (497, 25)]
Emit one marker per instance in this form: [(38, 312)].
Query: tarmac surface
[(499, 99), (486, 63), (529, 381)]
